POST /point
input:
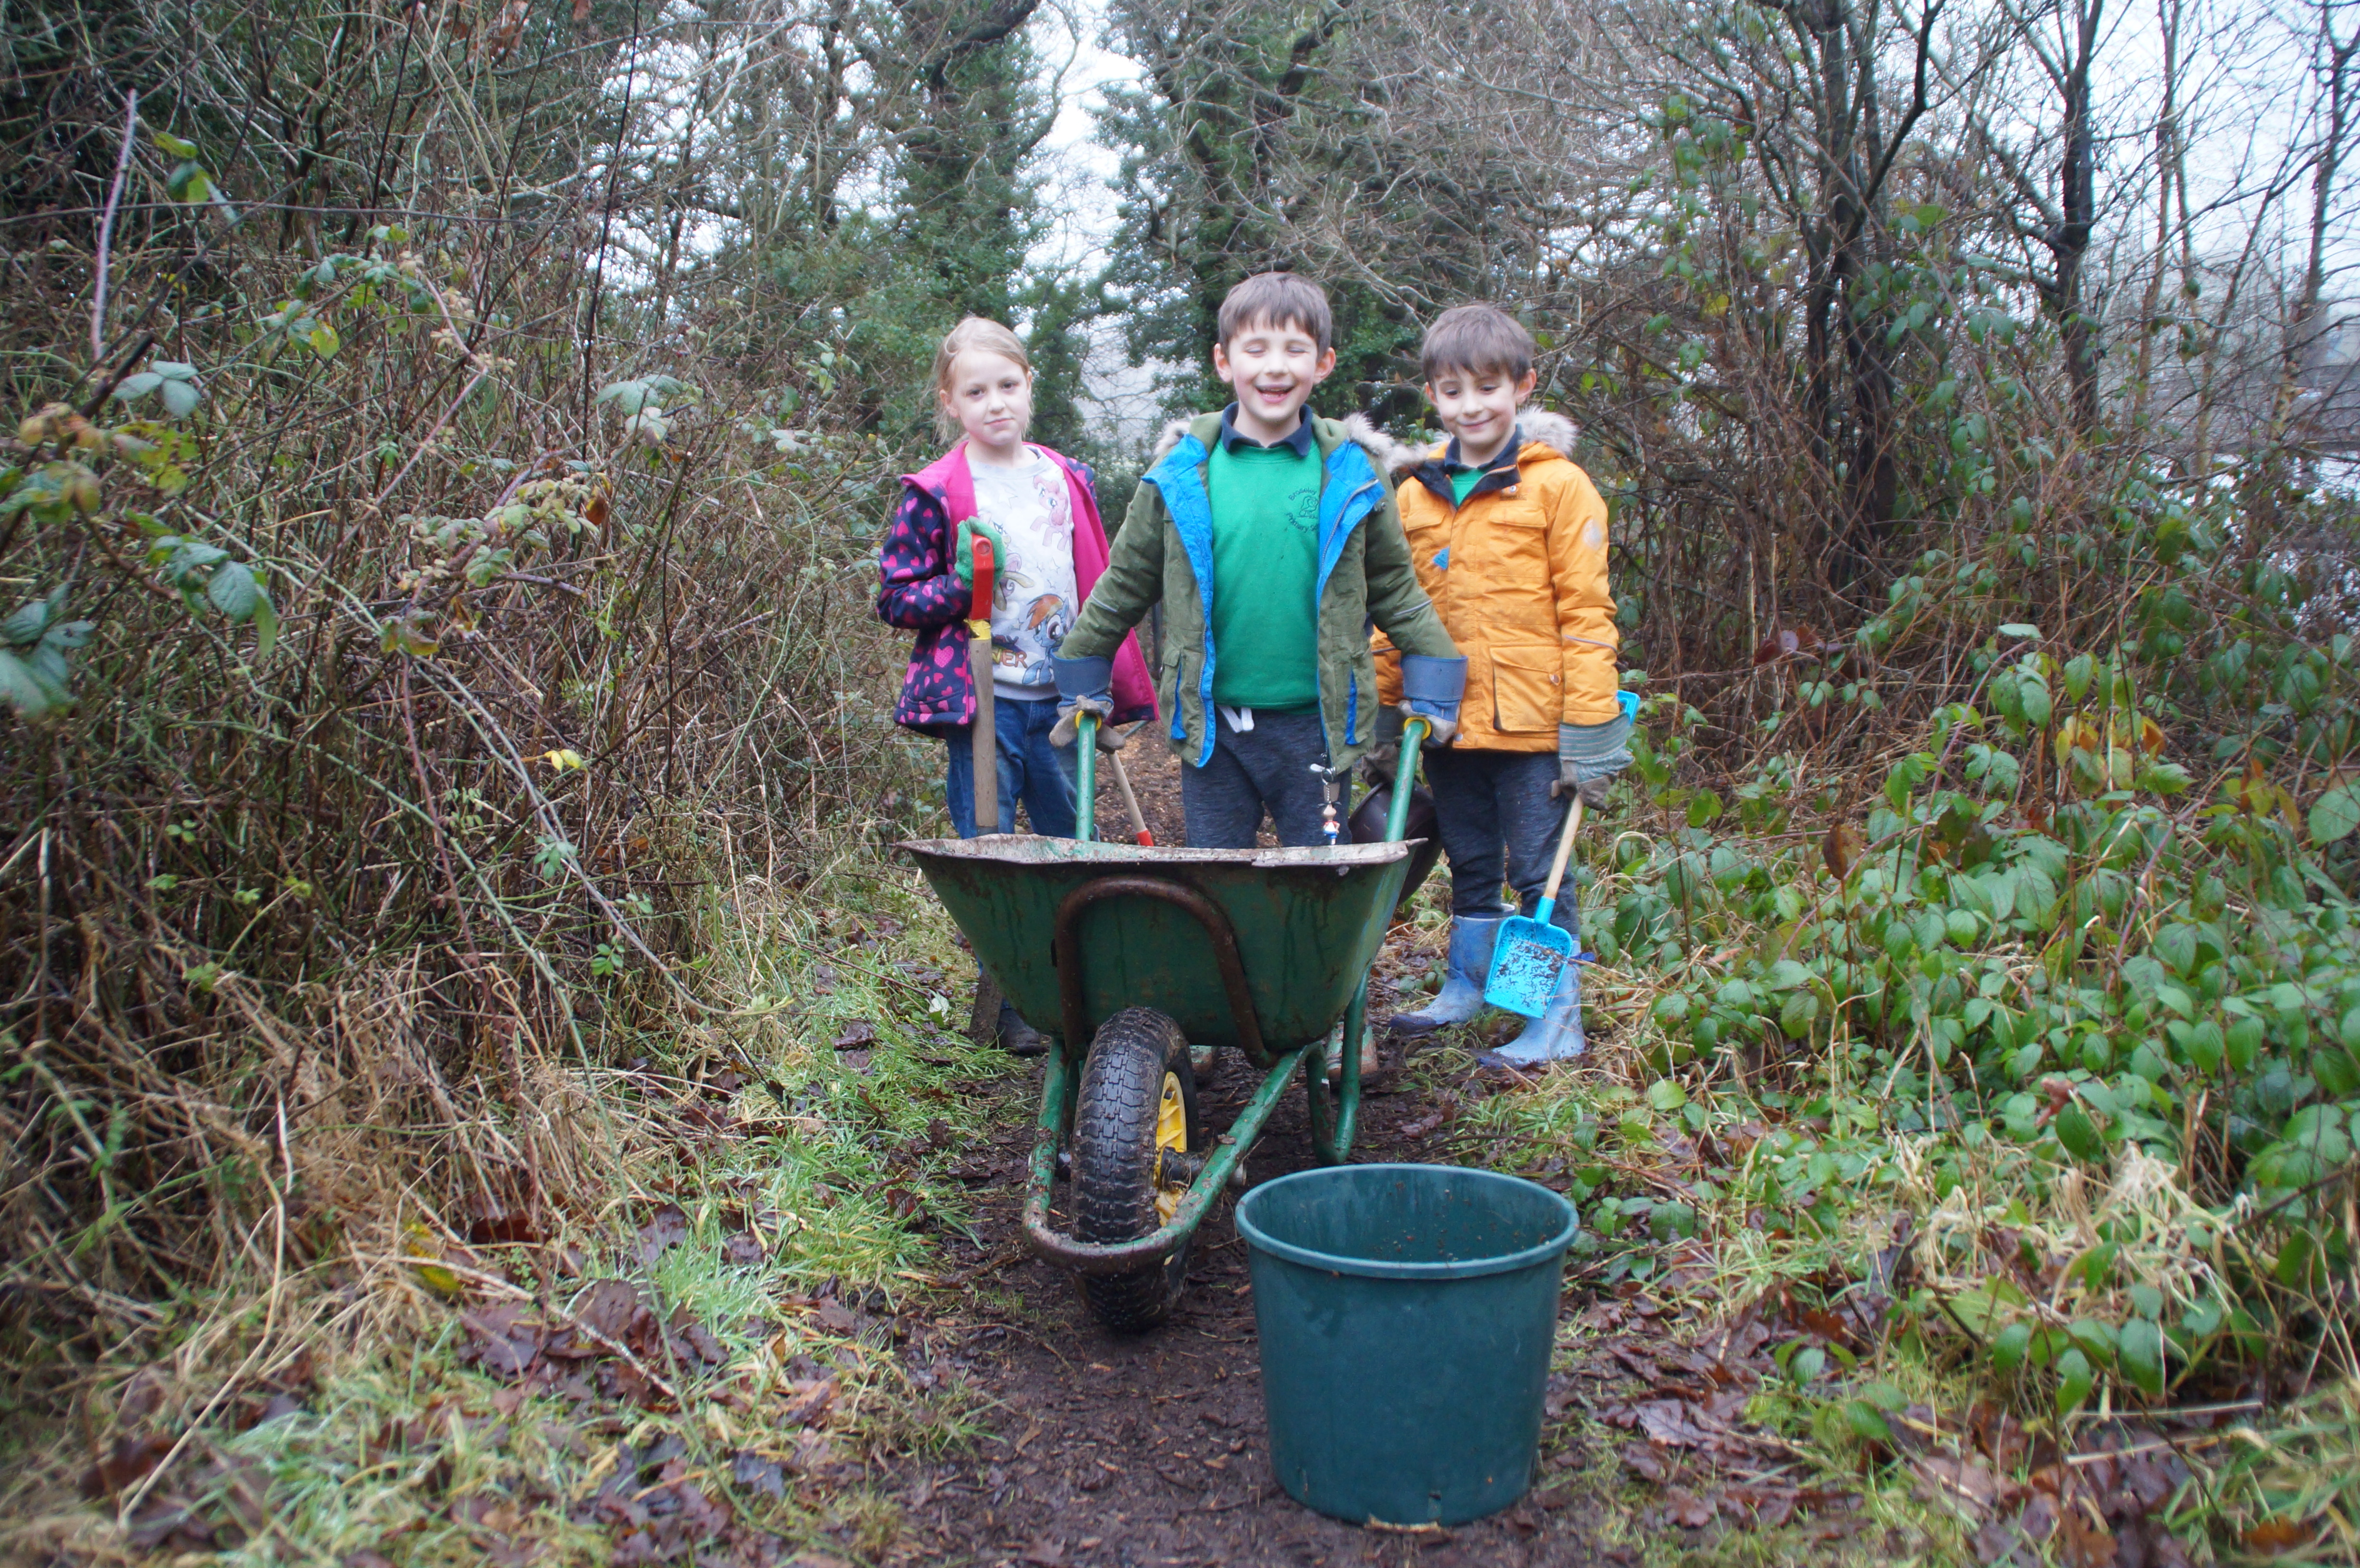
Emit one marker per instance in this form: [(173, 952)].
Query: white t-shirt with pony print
[(1034, 597)]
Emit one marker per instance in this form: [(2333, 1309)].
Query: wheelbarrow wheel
[(1138, 1101)]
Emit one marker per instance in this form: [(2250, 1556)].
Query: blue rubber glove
[(1431, 688)]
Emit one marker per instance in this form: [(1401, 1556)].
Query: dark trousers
[(1031, 769), (1498, 825), (1266, 767)]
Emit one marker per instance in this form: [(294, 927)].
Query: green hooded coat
[(1166, 552)]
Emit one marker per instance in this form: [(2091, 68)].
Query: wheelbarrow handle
[(1413, 743), (1085, 782)]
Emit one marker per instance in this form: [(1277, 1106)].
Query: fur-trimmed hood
[(1538, 427), (1382, 450)]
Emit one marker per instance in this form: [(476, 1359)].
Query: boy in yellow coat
[(1508, 537)]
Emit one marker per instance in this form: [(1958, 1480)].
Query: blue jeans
[(1499, 824), (1030, 769)]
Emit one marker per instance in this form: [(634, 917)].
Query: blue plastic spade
[(1530, 953)]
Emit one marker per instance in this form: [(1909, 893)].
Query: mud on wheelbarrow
[(1126, 956)]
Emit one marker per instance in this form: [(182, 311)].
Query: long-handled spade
[(1131, 801), (987, 729), (1530, 953)]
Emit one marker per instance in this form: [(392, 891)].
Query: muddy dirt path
[(1152, 1450)]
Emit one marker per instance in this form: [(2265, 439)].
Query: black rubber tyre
[(1117, 1161)]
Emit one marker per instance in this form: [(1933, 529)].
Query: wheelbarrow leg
[(1060, 1077), (1333, 1125)]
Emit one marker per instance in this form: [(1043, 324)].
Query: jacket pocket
[(1527, 690)]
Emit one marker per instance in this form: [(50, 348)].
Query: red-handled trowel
[(987, 730)]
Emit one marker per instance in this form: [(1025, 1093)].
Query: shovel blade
[(1527, 960)]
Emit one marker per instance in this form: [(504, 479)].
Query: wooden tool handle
[(1138, 818), (1564, 848)]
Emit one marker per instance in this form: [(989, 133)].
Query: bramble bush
[(2088, 1014)]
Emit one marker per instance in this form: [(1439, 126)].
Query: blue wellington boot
[(1555, 1035), (1470, 965)]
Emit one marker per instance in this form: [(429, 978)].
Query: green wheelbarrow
[(1126, 957)]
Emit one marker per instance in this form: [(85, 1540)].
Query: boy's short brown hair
[(1278, 299), (1473, 339)]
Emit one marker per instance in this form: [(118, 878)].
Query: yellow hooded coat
[(1518, 575)]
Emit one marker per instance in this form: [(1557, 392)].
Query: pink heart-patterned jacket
[(921, 591)]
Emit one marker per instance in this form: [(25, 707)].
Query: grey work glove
[(1068, 726), (1589, 755)]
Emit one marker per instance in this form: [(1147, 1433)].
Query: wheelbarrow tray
[(1308, 924)]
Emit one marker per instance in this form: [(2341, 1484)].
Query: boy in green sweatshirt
[(1270, 536)]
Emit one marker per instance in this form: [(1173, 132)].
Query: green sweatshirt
[(1266, 504)]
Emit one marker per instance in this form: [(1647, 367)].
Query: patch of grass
[(802, 1176)]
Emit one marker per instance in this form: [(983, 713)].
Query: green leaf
[(2176, 945), (2245, 1039), (189, 183), (2073, 1381), (2096, 1339), (1666, 1096), (2020, 630), (1867, 1422), (25, 625), (181, 398), (2140, 1353), (138, 385), (2008, 1346), (2078, 1133), (173, 146), (266, 624), (1704, 808), (234, 591), (2336, 814), (2078, 670), (325, 341), (30, 691)]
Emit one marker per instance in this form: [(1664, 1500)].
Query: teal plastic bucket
[(1405, 1314)]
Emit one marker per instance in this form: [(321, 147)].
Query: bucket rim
[(1262, 1240)]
